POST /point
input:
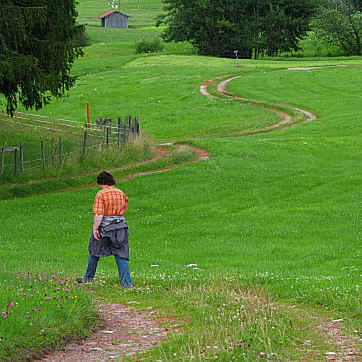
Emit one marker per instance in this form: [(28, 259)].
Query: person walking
[(110, 230)]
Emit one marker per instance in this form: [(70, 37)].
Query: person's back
[(110, 201), (110, 230)]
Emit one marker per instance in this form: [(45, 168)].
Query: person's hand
[(96, 234)]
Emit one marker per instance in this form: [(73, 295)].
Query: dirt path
[(287, 119), (221, 88), (203, 155), (333, 332), (125, 331), (343, 346)]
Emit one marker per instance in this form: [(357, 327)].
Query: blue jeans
[(122, 265)]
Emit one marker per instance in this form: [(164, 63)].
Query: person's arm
[(96, 222)]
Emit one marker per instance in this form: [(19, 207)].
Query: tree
[(36, 50), (340, 22), (114, 4), (254, 27)]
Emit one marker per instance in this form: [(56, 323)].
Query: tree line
[(261, 27)]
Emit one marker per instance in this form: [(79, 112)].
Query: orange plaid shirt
[(110, 202)]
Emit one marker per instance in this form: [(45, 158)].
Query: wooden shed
[(114, 19)]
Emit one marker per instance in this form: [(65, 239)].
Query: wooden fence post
[(84, 142), (60, 151), (21, 148), (3, 158), (105, 126), (107, 134), (119, 132), (99, 122), (130, 129), (52, 152), (15, 160), (43, 154), (124, 133), (137, 126)]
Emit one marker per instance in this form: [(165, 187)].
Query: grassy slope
[(276, 203), (156, 89), (116, 82), (281, 209)]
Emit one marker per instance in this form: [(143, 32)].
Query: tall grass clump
[(113, 156), (41, 309), (182, 153)]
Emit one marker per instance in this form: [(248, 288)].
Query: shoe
[(83, 280), (127, 286)]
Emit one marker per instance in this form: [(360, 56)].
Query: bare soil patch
[(342, 345), (347, 345), (305, 68), (125, 331)]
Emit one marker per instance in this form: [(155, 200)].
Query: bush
[(313, 46), (81, 40), (149, 46)]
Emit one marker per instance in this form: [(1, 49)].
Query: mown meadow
[(251, 249)]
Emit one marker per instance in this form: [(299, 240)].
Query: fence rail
[(101, 132)]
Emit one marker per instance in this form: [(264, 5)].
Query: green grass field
[(271, 220)]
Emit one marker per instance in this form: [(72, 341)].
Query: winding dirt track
[(287, 118), (203, 155)]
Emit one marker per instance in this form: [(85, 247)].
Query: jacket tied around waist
[(114, 238)]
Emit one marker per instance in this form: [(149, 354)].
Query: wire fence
[(82, 138)]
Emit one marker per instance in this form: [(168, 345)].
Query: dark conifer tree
[(36, 50)]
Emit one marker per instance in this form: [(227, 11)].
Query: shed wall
[(115, 20)]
